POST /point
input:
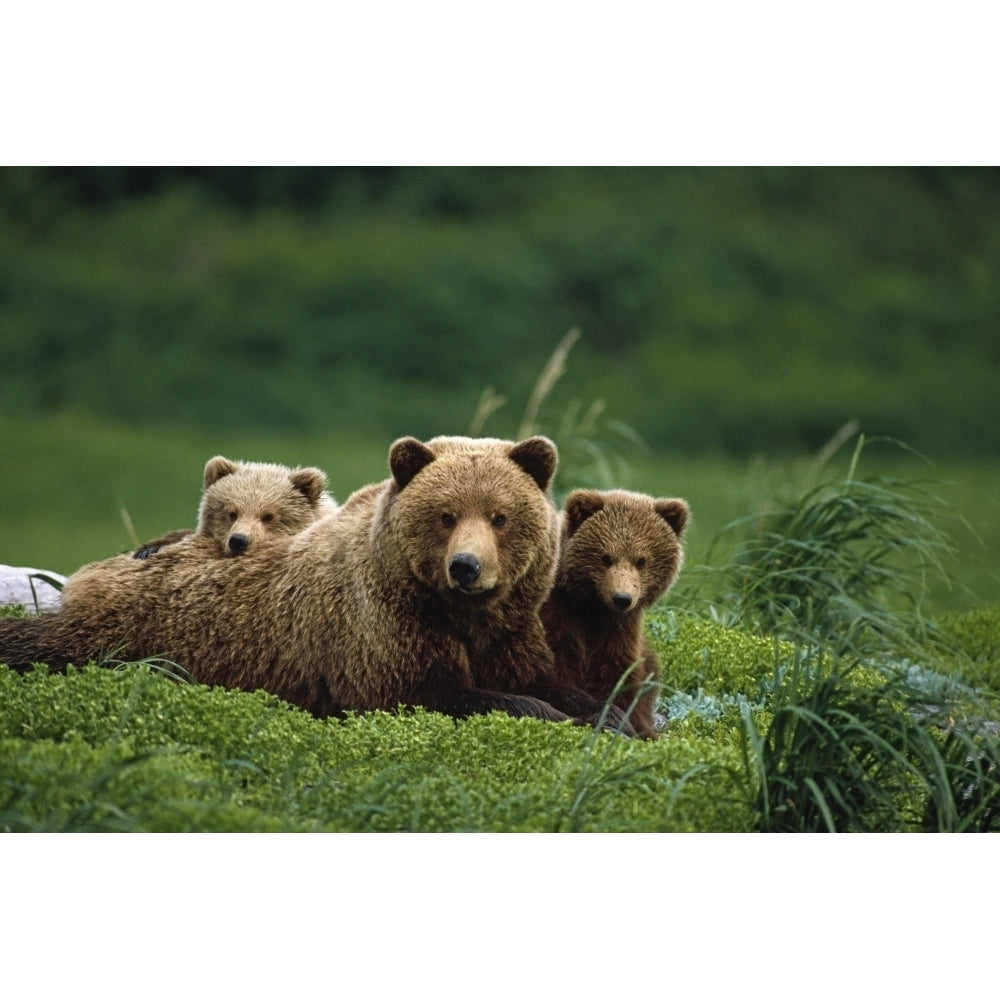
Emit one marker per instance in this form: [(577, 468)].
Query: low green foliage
[(697, 654), (97, 749), (975, 635), (761, 735)]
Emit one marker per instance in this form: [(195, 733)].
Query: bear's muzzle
[(464, 569), (238, 544)]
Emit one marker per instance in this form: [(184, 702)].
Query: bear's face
[(245, 503), (622, 549), (473, 516)]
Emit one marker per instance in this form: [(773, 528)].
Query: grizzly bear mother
[(421, 590)]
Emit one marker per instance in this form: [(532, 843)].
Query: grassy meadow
[(809, 357)]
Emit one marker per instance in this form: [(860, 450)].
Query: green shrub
[(131, 749), (975, 636), (699, 654)]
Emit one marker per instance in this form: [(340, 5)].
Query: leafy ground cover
[(135, 750)]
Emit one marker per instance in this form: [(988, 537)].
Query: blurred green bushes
[(723, 309)]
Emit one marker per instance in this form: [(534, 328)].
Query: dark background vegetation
[(313, 314), (735, 310)]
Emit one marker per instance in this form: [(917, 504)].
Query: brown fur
[(620, 552), (244, 503), (373, 606)]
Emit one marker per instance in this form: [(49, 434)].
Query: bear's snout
[(620, 589), (238, 544), (464, 569)]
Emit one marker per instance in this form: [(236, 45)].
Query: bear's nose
[(238, 544), (622, 601), (464, 569)]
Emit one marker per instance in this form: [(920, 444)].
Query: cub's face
[(245, 504), (474, 522), (621, 549)]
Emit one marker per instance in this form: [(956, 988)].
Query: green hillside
[(730, 310)]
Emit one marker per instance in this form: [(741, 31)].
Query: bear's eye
[(607, 560), (499, 521), (640, 563), (448, 520), (232, 515), (267, 518)]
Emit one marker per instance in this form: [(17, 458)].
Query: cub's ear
[(580, 504), (675, 512), (309, 482), (538, 457), (218, 467), (407, 457)]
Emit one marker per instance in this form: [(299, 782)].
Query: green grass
[(761, 737), (69, 477), (846, 562)]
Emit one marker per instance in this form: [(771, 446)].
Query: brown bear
[(421, 590), (243, 503), (620, 552)]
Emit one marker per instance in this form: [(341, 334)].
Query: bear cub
[(620, 553), (244, 503)]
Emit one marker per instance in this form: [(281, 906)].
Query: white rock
[(16, 584)]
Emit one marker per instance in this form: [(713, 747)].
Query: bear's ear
[(309, 482), (538, 457), (674, 512), (216, 468), (580, 504), (407, 457)]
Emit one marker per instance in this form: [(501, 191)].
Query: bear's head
[(244, 503), (621, 548), (474, 516)]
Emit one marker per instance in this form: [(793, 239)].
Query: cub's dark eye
[(607, 560), (640, 563), (447, 520), (267, 518), (499, 521), (232, 515)]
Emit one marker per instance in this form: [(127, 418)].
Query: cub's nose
[(238, 544), (622, 601), (464, 569)]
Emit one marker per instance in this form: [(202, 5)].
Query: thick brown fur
[(245, 503), (620, 553), (421, 590)]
